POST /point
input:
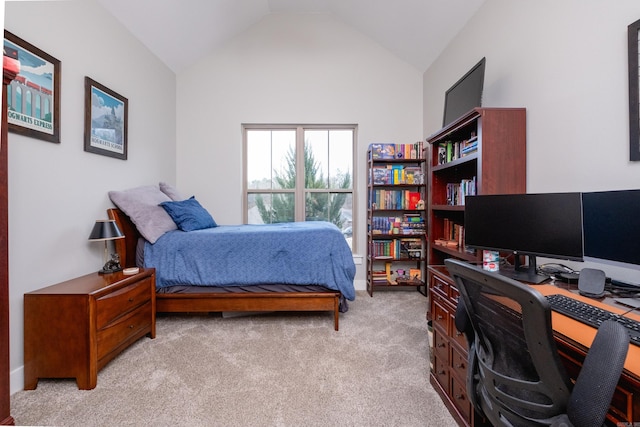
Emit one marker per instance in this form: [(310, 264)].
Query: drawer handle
[(441, 345), (442, 372), (460, 366), (439, 317), (131, 299), (131, 326), (459, 397), (458, 333)]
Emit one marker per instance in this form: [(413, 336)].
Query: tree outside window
[(300, 174)]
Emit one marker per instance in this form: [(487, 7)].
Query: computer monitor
[(612, 227), (545, 224), (465, 94)]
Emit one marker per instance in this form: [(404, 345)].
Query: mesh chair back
[(518, 377)]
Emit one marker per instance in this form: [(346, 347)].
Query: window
[(299, 173)]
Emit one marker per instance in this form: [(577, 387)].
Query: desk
[(448, 350)]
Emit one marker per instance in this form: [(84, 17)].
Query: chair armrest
[(599, 375)]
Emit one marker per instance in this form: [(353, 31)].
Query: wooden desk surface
[(583, 334)]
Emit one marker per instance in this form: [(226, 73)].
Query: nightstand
[(74, 328)]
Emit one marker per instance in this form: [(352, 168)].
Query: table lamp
[(105, 230)]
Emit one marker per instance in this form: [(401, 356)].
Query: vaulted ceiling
[(180, 32)]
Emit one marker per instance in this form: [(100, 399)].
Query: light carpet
[(279, 369)]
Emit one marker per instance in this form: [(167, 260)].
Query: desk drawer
[(441, 345), (124, 328), (441, 371), (459, 362), (115, 304), (460, 399), (439, 286), (440, 316)]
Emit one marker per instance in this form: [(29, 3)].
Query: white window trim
[(300, 128)]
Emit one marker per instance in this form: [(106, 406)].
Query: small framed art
[(33, 97), (105, 120)]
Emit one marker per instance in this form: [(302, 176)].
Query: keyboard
[(592, 315)]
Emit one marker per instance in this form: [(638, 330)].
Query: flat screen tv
[(612, 227), (548, 225), (465, 94)]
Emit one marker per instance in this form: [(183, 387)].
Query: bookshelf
[(396, 220), (483, 152)]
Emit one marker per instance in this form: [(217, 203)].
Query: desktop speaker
[(591, 282)]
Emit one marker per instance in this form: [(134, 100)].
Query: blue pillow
[(189, 215)]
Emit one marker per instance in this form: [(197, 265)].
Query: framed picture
[(634, 91), (33, 97), (105, 120)]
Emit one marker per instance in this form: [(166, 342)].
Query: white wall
[(566, 62), (289, 69), (57, 191)]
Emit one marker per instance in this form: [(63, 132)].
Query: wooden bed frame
[(219, 302)]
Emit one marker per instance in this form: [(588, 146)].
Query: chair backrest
[(517, 378)]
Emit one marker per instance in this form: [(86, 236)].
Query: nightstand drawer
[(117, 303), (122, 329)]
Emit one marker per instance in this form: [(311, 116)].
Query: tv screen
[(612, 226), (465, 94), (548, 225)]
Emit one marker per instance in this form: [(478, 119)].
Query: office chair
[(515, 376)]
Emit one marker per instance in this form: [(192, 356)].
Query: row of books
[(397, 174), (452, 235), (395, 199), (449, 151), (397, 248), (388, 151), (398, 277), (407, 224), (457, 192)]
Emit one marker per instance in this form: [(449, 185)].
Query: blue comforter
[(298, 253)]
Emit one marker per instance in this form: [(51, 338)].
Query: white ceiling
[(180, 32)]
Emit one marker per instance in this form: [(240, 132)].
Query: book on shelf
[(449, 151), (381, 175), (468, 147), (384, 199), (407, 224), (442, 154), (414, 175), (457, 192), (414, 198), (396, 248), (453, 234), (388, 151), (446, 243), (397, 174)]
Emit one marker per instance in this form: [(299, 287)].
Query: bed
[(175, 297)]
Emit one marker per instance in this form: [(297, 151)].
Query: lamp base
[(112, 265), (109, 271)]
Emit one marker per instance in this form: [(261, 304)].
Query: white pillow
[(142, 205), (172, 192)]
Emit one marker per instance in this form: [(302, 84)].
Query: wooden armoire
[(5, 389)]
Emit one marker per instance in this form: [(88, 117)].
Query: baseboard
[(16, 380)]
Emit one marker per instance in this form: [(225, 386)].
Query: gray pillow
[(172, 192), (141, 204)]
